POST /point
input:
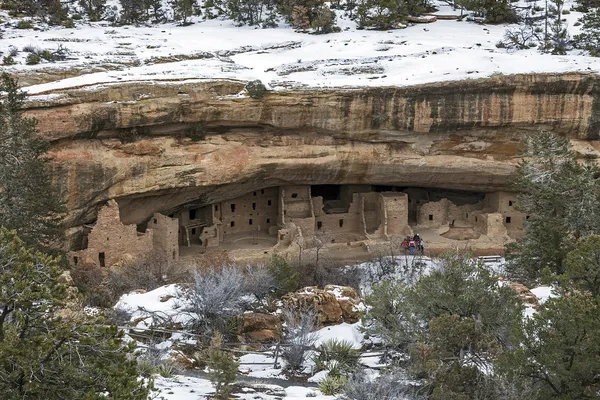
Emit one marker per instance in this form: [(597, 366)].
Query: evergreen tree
[(455, 322), (183, 10), (48, 351), (381, 14), (29, 201), (562, 201), (134, 11), (494, 11), (589, 38), (559, 347), (156, 12), (93, 8)]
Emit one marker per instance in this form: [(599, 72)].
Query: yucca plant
[(339, 357), (333, 385)]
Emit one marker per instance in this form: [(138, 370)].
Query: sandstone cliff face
[(127, 141)]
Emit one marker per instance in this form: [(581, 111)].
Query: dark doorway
[(102, 259), (327, 192)]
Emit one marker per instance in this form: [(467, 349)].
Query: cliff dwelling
[(350, 220)]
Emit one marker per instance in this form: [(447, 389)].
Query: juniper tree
[(29, 200), (454, 322), (183, 10), (562, 201), (558, 348), (93, 8), (48, 351), (134, 11), (589, 38)]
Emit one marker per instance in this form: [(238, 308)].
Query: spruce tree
[(49, 351), (29, 200)]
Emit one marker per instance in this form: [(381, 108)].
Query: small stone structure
[(287, 216), (110, 241)]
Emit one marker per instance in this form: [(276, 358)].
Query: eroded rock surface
[(155, 146)]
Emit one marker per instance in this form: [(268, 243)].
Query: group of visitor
[(411, 244)]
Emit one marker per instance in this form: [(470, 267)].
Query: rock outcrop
[(153, 146), (334, 304), (259, 328)]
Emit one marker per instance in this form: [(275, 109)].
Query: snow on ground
[(347, 332), (159, 303), (189, 388), (543, 293), (440, 51)]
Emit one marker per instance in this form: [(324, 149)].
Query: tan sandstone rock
[(334, 304), (525, 294), (259, 327), (454, 135)]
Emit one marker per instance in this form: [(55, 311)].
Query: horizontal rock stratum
[(132, 141)]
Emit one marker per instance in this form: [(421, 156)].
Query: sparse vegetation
[(256, 89), (222, 368)]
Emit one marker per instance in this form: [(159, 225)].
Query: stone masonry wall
[(109, 240)]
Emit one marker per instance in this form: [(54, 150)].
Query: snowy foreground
[(421, 53), (259, 379)]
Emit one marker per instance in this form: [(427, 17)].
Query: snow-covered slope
[(439, 51)]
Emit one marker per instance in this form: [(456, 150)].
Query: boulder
[(334, 304), (525, 294), (259, 327)]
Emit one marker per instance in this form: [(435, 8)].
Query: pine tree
[(29, 201), (48, 351)]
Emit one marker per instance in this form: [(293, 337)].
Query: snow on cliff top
[(440, 51)]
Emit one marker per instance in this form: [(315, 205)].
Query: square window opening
[(294, 195), (269, 202), (430, 217), (341, 222), (232, 224), (192, 214), (233, 208), (510, 203), (268, 220), (250, 222), (508, 220)]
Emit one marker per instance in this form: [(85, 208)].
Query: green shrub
[(77, 17), (339, 357), (256, 89), (286, 277), (33, 59), (566, 12), (47, 55), (68, 23), (24, 24), (8, 60), (332, 385), (222, 367), (196, 131), (165, 370)]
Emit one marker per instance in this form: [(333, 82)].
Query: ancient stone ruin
[(285, 219)]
